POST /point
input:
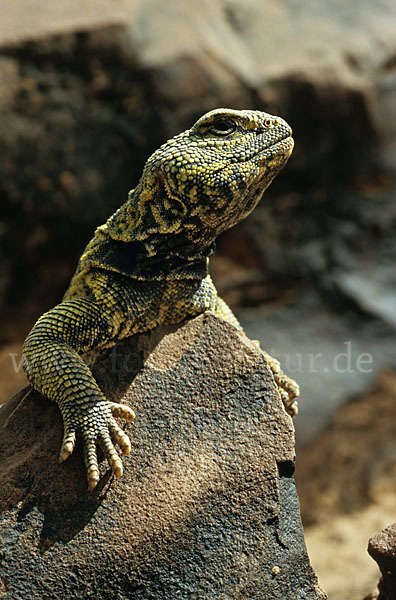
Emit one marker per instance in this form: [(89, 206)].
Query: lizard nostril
[(268, 123)]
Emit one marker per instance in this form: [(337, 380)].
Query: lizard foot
[(96, 422), (289, 389)]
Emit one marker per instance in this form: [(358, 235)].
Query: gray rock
[(374, 290), (207, 507)]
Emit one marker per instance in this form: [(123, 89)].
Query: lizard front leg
[(288, 388), (54, 367)]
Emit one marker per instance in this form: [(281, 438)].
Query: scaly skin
[(148, 266)]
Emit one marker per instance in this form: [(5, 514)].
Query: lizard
[(148, 266)]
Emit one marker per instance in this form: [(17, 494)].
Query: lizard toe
[(122, 411), (111, 454), (120, 437), (68, 443), (91, 462)]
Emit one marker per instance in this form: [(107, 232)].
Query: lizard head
[(208, 178), (215, 173)]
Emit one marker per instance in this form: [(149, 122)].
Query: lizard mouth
[(283, 146)]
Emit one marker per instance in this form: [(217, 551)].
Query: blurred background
[(89, 88)]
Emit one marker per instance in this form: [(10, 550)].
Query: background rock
[(346, 482), (358, 449), (207, 506)]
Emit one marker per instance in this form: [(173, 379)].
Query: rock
[(382, 548), (35, 19), (359, 451), (374, 290), (207, 507)]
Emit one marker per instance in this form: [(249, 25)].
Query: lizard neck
[(155, 225), (146, 239)]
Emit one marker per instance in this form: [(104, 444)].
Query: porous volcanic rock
[(207, 507)]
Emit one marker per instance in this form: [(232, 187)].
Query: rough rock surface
[(382, 548), (207, 507)]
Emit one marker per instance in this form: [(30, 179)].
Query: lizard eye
[(223, 127)]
